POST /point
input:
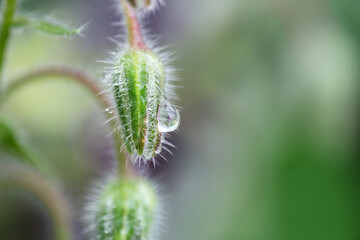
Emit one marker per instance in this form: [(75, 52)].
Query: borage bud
[(143, 4), (145, 113), (125, 210)]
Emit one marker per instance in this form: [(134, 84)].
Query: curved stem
[(20, 176), (135, 36), (88, 83), (58, 71), (8, 15)]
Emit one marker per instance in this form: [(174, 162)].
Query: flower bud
[(138, 84), (142, 4), (125, 210)]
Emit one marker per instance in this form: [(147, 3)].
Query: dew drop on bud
[(168, 117)]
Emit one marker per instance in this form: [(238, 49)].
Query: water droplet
[(168, 117), (158, 149)]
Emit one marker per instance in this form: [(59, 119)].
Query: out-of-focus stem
[(8, 14), (19, 176), (88, 83), (67, 72), (135, 36)]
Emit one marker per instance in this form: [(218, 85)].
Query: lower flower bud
[(125, 211)]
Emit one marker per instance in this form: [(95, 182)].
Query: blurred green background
[(267, 145)]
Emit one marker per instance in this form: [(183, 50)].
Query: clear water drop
[(168, 117), (158, 150), (109, 110)]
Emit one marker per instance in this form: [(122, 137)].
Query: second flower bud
[(145, 114)]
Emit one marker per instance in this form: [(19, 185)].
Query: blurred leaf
[(8, 140), (55, 28), (19, 22), (51, 27), (10, 143)]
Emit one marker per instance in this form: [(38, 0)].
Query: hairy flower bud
[(138, 82), (125, 210), (143, 4)]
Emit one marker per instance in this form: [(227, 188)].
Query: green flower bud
[(125, 210), (138, 84)]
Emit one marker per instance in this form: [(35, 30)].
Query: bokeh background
[(267, 145)]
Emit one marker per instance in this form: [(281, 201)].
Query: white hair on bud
[(96, 190)]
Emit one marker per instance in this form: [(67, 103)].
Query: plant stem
[(22, 177), (67, 72), (8, 14), (135, 36), (88, 83)]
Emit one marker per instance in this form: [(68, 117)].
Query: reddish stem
[(135, 36)]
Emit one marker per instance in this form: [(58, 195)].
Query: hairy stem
[(88, 83), (8, 14), (135, 36), (19, 176)]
